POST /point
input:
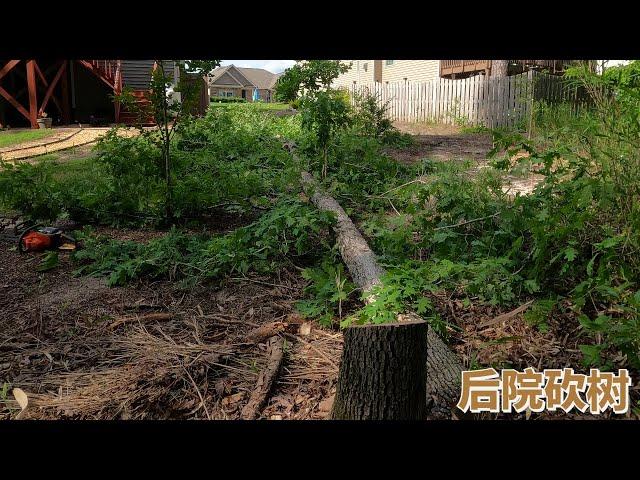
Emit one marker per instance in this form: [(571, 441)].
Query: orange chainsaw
[(37, 239)]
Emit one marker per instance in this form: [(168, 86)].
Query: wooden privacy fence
[(480, 100)]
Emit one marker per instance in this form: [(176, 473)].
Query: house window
[(365, 66), (225, 93), (389, 62)]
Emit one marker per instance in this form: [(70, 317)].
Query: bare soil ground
[(449, 143), (441, 142), (80, 349)]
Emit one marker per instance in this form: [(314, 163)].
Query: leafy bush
[(328, 290), (324, 115), (370, 117), (25, 188), (231, 158), (291, 229)]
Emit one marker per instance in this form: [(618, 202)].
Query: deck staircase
[(110, 73), (140, 114)]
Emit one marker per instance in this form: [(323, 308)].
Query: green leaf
[(592, 354), (49, 262), (422, 305), (609, 243), (570, 254)]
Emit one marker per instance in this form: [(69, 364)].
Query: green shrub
[(229, 159), (27, 188), (329, 288), (370, 116), (291, 229)]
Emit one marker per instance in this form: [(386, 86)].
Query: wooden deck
[(465, 68)]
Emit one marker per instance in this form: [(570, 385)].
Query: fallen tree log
[(443, 366)]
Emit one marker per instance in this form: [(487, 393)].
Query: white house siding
[(356, 73), (412, 70)]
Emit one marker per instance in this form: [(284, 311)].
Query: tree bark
[(499, 68), (387, 383), (355, 251), (443, 366)]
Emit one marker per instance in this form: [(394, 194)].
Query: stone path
[(64, 139)]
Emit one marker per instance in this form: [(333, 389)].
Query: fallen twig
[(206, 411), (266, 379), (506, 316), (245, 279), (468, 222)]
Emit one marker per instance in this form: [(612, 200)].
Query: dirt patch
[(447, 143), (54, 136), (58, 343), (441, 142), (416, 128), (444, 147), (79, 141)]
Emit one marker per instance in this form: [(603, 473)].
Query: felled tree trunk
[(443, 367), (383, 373)]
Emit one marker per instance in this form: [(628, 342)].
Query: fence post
[(531, 93)]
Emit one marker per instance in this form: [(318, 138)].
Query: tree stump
[(383, 373)]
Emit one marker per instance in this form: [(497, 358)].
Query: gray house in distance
[(232, 81)]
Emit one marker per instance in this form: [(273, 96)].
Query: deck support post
[(64, 85), (33, 94)]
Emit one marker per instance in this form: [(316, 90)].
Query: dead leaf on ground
[(20, 397), (233, 399), (326, 404), (294, 318), (265, 331), (305, 329)]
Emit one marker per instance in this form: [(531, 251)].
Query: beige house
[(393, 71), (232, 81), (388, 71), (361, 71)]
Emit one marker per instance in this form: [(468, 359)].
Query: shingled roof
[(248, 77)]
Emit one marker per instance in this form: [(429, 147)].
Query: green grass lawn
[(15, 137), (257, 105)]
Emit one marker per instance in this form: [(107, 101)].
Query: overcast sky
[(275, 66)]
